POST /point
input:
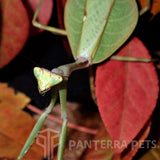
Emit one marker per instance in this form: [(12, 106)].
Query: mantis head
[(46, 79)]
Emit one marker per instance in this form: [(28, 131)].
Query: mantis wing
[(120, 17)]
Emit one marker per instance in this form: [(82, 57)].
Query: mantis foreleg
[(62, 140), (33, 135), (47, 28)]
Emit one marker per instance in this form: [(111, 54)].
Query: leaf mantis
[(95, 30)]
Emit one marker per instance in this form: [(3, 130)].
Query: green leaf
[(96, 29)]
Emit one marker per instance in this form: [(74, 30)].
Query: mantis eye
[(46, 79)]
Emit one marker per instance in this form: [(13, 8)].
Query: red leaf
[(13, 30), (60, 10), (126, 93), (44, 14), (137, 142), (101, 147)]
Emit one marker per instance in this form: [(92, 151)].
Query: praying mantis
[(95, 30)]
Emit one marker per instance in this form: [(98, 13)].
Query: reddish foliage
[(16, 126), (137, 142), (44, 14), (14, 29), (101, 147), (60, 11), (154, 6), (126, 93)]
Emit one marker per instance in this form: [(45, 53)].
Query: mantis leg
[(33, 135), (145, 9), (62, 139), (91, 82), (133, 59), (47, 28)]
